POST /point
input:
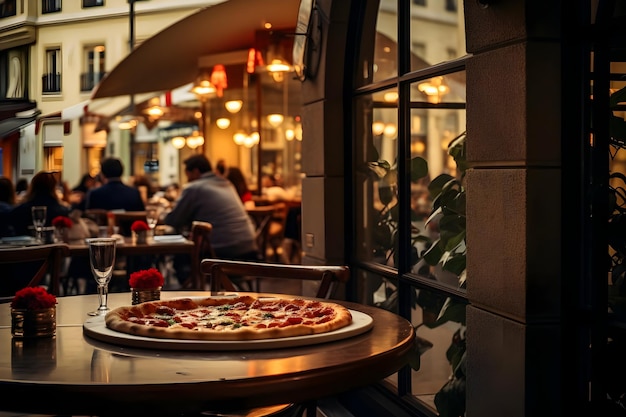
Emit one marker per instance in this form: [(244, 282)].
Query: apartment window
[(93, 3), (94, 67), (51, 79), (451, 5), (50, 6), (8, 8)]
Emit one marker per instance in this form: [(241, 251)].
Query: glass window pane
[(437, 33), (438, 366), (378, 55), (436, 133), (376, 181)]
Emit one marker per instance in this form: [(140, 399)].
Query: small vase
[(141, 295), (33, 323), (141, 236)]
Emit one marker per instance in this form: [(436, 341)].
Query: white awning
[(171, 58)]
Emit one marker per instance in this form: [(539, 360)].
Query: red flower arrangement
[(146, 278), (33, 298), (62, 221), (139, 226)]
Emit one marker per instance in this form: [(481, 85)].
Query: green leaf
[(456, 264), (437, 184), (618, 97), (434, 253), (419, 168)]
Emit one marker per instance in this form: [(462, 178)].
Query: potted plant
[(447, 252), (33, 313), (145, 285)]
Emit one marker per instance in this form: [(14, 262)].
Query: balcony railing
[(50, 6), (51, 83), (89, 80)]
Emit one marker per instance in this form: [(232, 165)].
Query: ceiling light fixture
[(223, 122), (275, 119), (233, 106)]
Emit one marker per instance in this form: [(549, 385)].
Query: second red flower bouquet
[(62, 222), (33, 298), (139, 226), (146, 278)]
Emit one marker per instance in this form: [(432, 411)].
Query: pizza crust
[(228, 318)]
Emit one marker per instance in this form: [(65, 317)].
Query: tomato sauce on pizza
[(229, 318)]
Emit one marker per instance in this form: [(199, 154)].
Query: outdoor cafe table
[(130, 248), (73, 373)]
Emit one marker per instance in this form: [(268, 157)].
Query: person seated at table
[(7, 202), (42, 191), (235, 176), (212, 198), (78, 193), (113, 194), (21, 187)]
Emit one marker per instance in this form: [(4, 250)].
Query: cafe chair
[(276, 233), (200, 235), (99, 216), (262, 217), (32, 265), (327, 276), (125, 219)]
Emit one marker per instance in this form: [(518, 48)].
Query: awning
[(13, 125), (169, 59)]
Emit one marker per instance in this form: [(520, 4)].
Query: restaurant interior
[(453, 160)]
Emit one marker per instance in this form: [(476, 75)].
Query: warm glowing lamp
[(277, 65), (275, 119), (195, 140), (223, 122), (434, 89), (378, 128), (290, 134), (233, 106), (239, 138), (390, 131), (178, 142), (203, 87)]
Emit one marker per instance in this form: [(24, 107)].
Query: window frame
[(53, 67), (400, 275)]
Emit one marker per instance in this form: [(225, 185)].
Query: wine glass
[(152, 218), (39, 214), (102, 259)]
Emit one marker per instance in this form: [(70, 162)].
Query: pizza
[(235, 318)]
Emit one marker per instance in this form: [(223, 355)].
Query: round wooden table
[(75, 374)]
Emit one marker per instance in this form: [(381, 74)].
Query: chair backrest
[(262, 217), (328, 276), (97, 215), (201, 236), (125, 219), (36, 261)]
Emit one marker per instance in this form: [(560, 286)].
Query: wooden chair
[(125, 219), (201, 236), (262, 217), (219, 270), (328, 277), (276, 232), (42, 260), (97, 215)]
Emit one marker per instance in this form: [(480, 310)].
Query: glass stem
[(103, 292)]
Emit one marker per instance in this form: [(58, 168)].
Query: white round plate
[(95, 327)]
